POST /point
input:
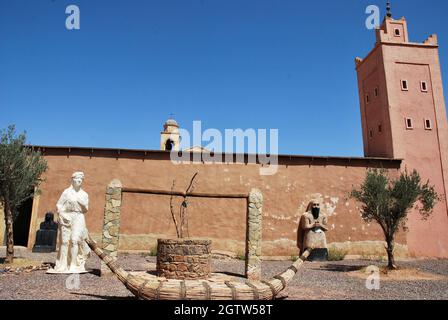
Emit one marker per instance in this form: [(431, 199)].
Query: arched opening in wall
[(21, 225), (169, 145)]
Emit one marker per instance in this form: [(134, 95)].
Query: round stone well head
[(184, 258)]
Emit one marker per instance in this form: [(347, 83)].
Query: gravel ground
[(327, 280)]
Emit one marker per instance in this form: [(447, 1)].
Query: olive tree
[(21, 168), (388, 202)]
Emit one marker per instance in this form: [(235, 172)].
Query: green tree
[(388, 202), (21, 168)]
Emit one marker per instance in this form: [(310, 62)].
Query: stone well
[(184, 258)]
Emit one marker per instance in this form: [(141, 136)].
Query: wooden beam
[(184, 194)]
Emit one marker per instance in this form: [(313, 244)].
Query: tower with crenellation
[(404, 117)]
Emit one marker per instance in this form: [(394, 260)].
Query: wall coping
[(284, 159)]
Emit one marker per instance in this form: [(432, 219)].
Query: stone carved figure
[(311, 232), (46, 236), (73, 251)]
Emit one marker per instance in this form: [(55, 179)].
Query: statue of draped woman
[(72, 250)]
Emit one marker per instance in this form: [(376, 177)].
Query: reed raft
[(162, 289)]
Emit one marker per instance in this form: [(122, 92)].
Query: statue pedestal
[(320, 254), (52, 271)]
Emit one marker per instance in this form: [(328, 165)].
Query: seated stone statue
[(46, 236), (311, 232)]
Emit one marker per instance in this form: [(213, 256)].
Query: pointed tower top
[(388, 10)]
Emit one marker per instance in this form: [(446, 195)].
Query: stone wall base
[(282, 249), (368, 249), (184, 258)]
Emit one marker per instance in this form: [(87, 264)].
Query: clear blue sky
[(232, 64)]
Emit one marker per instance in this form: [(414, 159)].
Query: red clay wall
[(286, 194), (146, 217), (421, 149)]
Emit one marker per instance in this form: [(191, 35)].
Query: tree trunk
[(390, 255), (182, 221), (9, 235)]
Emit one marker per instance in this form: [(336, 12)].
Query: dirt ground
[(418, 279)]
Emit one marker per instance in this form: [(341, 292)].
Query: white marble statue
[(72, 249)]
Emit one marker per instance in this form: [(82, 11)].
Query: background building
[(404, 117)]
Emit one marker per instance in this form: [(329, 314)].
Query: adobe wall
[(144, 217), (430, 155), (373, 114)]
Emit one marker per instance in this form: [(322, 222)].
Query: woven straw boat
[(162, 289)]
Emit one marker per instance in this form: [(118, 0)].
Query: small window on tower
[(367, 98), (370, 134), (169, 145), (424, 86), (409, 124), (397, 32), (428, 124), (376, 92), (380, 128), (404, 85)]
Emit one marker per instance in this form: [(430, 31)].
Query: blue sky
[(287, 65)]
